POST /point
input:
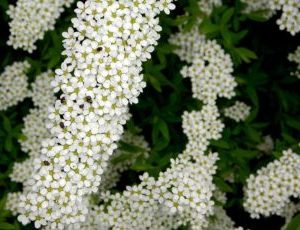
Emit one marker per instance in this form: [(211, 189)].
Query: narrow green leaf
[(294, 224)]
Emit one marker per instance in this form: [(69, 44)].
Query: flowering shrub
[(154, 114)]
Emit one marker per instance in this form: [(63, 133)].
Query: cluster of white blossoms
[(31, 19), (12, 202), (182, 195), (13, 85), (98, 79), (237, 112), (210, 68), (202, 126), (270, 190), (290, 16), (295, 57), (33, 133), (290, 12)]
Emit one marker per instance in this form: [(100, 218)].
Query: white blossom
[(13, 84), (267, 192), (239, 111), (290, 11), (31, 19), (210, 67), (295, 57), (98, 79)]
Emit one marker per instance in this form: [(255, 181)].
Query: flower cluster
[(269, 191), (289, 20), (202, 126), (210, 67), (237, 112), (100, 76), (179, 196), (33, 133), (295, 57), (13, 85), (183, 193), (31, 19), (290, 17), (13, 202)]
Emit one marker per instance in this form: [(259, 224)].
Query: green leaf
[(252, 134), (259, 15), (227, 16), (154, 82), (130, 147), (207, 28), (244, 153), (221, 184), (6, 226), (292, 122), (220, 144), (8, 144), (245, 54), (6, 124), (294, 224), (160, 134)]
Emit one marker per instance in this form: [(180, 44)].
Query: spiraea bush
[(157, 114)]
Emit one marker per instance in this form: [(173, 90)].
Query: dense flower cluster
[(269, 191), (13, 85), (31, 19), (210, 67), (183, 193), (289, 20), (238, 112), (100, 76), (179, 196), (295, 57), (290, 17), (12, 202), (33, 133), (202, 126)]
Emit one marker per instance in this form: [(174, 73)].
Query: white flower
[(290, 9), (210, 67), (239, 111), (13, 85), (31, 19), (267, 192), (98, 79), (295, 57)]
